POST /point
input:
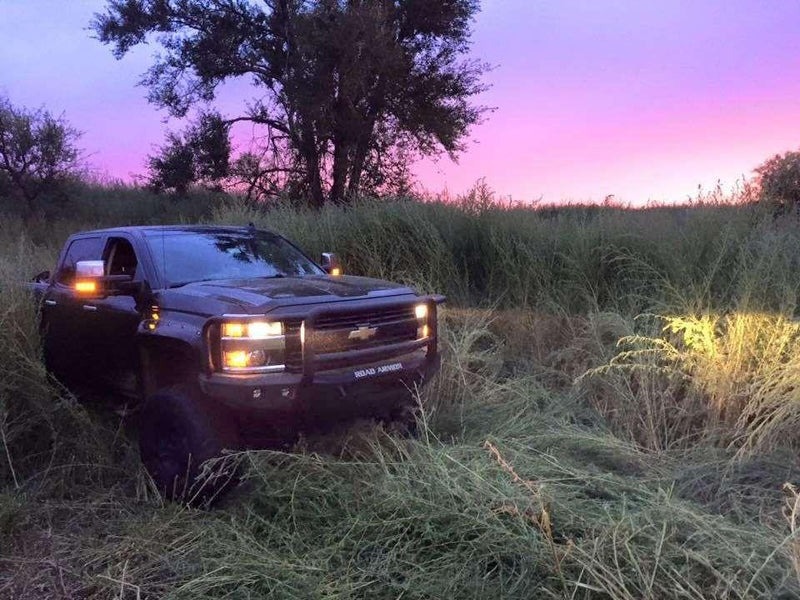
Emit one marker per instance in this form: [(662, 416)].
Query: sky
[(642, 100)]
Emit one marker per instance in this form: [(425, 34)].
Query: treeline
[(45, 173)]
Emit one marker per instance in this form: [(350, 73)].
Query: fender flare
[(169, 354)]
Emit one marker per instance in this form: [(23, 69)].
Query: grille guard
[(313, 362)]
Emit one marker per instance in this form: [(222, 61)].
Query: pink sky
[(644, 100)]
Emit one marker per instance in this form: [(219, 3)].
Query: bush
[(779, 180)]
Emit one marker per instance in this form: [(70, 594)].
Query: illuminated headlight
[(252, 347), (255, 330), (421, 312), (242, 359)]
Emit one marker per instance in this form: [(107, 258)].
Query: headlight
[(255, 330), (252, 347), (421, 312)]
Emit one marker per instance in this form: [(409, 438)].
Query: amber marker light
[(336, 272), (152, 322), (233, 330), (86, 287), (236, 360)]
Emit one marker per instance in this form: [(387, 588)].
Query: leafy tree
[(173, 168), (210, 143), (201, 155), (347, 91), (779, 179), (38, 154)]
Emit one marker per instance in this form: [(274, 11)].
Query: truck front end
[(311, 365)]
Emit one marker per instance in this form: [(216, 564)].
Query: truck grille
[(355, 330)]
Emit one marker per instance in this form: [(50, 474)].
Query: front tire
[(403, 418), (179, 431)]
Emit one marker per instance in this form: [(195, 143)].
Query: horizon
[(643, 103)]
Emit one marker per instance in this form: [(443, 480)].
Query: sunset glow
[(593, 98)]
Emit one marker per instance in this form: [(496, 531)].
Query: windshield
[(184, 257)]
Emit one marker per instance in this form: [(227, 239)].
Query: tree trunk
[(310, 154), (359, 160), (316, 197), (341, 164)]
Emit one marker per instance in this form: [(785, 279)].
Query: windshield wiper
[(183, 283)]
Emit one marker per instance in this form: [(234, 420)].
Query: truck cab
[(230, 338)]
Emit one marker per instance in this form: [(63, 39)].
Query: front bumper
[(354, 391)]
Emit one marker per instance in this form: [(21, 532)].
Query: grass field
[(617, 417)]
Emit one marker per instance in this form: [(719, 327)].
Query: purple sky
[(644, 100)]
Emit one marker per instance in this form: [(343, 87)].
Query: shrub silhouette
[(38, 155), (779, 180)]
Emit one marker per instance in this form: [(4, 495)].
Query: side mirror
[(90, 269), (92, 282), (331, 264)]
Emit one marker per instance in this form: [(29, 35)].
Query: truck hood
[(260, 295)]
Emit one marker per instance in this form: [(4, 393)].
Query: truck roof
[(144, 229)]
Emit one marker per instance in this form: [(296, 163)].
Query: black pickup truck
[(230, 338)]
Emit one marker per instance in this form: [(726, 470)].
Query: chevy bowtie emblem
[(363, 333)]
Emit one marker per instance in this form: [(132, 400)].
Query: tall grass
[(615, 418), (577, 259)]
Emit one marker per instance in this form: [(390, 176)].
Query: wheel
[(178, 432), (403, 417)]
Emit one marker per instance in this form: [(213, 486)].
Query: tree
[(173, 168), (348, 91), (201, 155), (779, 179), (38, 154)]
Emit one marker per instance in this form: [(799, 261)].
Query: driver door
[(67, 322), (117, 320)]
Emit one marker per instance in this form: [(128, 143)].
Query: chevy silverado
[(229, 338)]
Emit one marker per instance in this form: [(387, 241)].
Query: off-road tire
[(403, 418), (179, 430)]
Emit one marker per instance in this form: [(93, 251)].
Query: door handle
[(50, 302), (89, 307)]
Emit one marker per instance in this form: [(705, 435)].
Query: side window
[(80, 249), (120, 257)]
